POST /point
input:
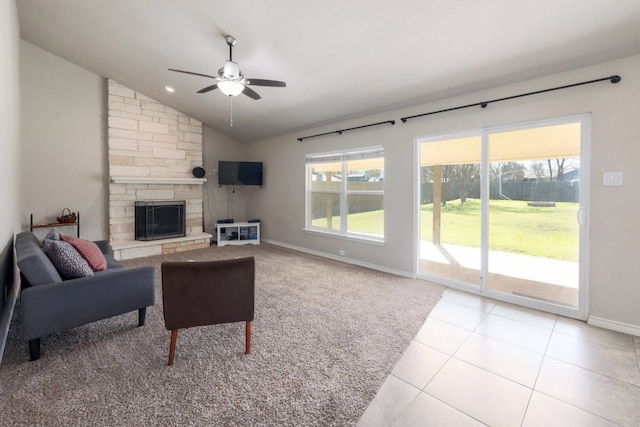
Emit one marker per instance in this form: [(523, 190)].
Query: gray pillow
[(53, 234), (68, 262)]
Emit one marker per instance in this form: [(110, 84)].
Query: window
[(345, 193)]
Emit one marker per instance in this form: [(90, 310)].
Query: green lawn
[(513, 227)]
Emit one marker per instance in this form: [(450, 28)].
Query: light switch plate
[(612, 178)]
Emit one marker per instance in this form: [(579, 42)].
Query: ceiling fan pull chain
[(231, 110)]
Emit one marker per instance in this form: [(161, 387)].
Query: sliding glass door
[(501, 213)]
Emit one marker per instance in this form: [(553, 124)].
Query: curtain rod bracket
[(484, 104)]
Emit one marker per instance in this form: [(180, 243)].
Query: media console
[(238, 233)]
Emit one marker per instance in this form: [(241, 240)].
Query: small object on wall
[(612, 178)]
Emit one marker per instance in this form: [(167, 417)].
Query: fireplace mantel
[(175, 181)]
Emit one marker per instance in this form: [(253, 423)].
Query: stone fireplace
[(152, 152)]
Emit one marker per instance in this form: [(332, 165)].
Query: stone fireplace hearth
[(152, 151)]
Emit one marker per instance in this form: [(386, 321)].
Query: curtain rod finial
[(615, 79)]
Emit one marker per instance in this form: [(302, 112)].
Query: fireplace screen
[(159, 219)]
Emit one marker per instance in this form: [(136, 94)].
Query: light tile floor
[(479, 362)]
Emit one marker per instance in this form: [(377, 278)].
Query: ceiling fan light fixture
[(231, 87), (230, 79), (231, 70)]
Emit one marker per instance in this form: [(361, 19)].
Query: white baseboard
[(342, 259), (614, 325)]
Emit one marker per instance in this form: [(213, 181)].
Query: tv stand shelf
[(238, 233)]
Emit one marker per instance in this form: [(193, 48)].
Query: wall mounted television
[(239, 173)]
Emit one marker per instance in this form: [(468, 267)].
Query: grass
[(514, 227)]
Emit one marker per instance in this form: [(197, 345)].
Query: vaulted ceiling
[(340, 58)]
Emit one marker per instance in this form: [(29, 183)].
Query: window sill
[(362, 238)]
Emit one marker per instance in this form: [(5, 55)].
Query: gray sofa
[(49, 304)]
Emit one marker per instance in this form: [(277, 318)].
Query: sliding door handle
[(580, 216)]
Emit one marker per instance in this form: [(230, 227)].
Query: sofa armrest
[(55, 307)]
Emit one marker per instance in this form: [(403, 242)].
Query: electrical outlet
[(341, 252)]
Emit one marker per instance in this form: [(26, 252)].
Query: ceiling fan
[(231, 80)]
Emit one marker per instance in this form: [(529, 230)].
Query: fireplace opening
[(157, 219)]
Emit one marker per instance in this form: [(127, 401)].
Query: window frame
[(343, 157)]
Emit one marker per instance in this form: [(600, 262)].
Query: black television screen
[(239, 173)]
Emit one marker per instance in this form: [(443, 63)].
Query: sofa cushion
[(66, 259), (88, 250)]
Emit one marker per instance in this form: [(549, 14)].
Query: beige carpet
[(325, 336)]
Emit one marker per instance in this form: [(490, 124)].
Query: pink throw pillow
[(89, 251)]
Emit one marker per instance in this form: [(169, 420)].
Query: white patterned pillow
[(53, 234), (66, 259)]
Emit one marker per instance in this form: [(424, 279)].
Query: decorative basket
[(67, 216)]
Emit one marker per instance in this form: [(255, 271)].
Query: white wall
[(10, 120), (614, 270), (9, 158), (64, 161)]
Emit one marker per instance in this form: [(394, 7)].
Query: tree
[(462, 176), (559, 166), (512, 171), (494, 170), (538, 169)]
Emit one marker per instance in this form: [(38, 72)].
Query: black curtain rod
[(484, 104), (393, 122)]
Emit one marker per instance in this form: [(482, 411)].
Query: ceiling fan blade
[(191, 72), (263, 82), (208, 88), (251, 93)]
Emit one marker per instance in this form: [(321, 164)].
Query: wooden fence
[(554, 191)]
